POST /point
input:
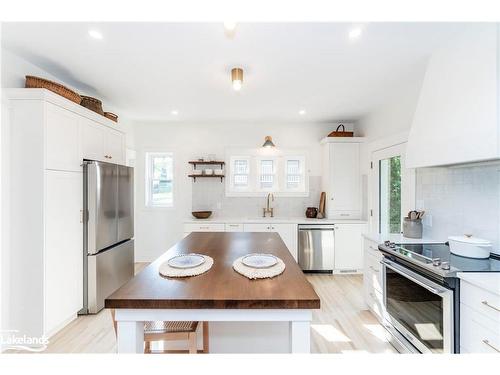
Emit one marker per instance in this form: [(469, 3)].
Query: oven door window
[(416, 309)]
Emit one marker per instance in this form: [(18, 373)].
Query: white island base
[(231, 330)]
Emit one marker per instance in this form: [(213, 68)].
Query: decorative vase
[(311, 212)]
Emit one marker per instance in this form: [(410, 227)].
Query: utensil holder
[(412, 228)]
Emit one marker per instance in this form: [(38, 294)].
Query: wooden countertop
[(221, 287)]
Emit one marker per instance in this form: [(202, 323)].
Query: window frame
[(231, 173), (407, 183), (148, 181), (258, 174), (302, 173), (280, 158)]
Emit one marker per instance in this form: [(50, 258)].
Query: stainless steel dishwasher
[(316, 248)]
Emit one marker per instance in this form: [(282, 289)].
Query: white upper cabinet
[(115, 146), (93, 138), (456, 118), (101, 143), (62, 139), (342, 177)]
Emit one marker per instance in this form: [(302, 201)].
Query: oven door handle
[(416, 278)]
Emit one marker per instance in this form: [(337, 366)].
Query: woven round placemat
[(258, 273), (166, 270)]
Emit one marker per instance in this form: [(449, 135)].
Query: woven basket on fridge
[(33, 82), (93, 104)]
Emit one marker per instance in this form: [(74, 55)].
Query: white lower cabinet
[(372, 278), (234, 227), (63, 254), (287, 232), (349, 247), (203, 227), (479, 318)]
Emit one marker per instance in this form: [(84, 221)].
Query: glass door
[(393, 189)]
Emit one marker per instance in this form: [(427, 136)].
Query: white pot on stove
[(469, 246)]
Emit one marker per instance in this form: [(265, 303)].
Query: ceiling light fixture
[(229, 26), (268, 142), (174, 112), (237, 78), (302, 112), (95, 34), (355, 33)]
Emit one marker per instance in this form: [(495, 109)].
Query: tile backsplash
[(463, 199), (210, 195)]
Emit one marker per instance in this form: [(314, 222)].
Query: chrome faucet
[(268, 208)]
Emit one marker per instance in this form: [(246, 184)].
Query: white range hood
[(456, 117)]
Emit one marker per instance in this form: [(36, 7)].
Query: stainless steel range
[(421, 294)]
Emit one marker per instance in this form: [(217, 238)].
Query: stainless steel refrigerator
[(108, 231)]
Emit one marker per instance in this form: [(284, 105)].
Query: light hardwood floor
[(342, 325)]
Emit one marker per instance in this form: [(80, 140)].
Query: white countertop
[(284, 220), (398, 238), (487, 280)]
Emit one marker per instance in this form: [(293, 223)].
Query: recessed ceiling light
[(302, 112), (174, 112), (230, 25), (95, 34), (355, 33)]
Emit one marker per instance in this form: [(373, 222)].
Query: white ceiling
[(149, 69)]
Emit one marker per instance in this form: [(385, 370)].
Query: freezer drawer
[(316, 247), (107, 271)]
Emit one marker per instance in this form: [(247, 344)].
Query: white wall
[(463, 199), (158, 229)]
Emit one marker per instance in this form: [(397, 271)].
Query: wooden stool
[(171, 331)]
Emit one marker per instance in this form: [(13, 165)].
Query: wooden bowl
[(202, 214)]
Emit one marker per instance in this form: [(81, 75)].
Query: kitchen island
[(219, 295)]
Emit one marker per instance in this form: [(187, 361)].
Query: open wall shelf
[(213, 162), (195, 176)]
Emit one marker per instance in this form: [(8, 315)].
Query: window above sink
[(254, 173)]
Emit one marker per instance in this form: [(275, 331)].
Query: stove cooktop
[(438, 259)]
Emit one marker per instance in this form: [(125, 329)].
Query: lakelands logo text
[(10, 339)]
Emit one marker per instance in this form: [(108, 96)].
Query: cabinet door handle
[(487, 342), (490, 306), (204, 227)]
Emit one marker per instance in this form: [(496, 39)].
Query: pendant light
[(237, 78), (268, 142)]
